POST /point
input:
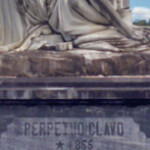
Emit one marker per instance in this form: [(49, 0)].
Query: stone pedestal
[(83, 74), (75, 62), (75, 88), (68, 127), (73, 125)]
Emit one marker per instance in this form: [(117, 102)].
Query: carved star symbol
[(60, 145)]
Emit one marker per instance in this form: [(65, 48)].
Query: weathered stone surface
[(124, 87), (62, 127), (43, 63)]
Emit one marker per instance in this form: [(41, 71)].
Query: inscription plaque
[(74, 128)]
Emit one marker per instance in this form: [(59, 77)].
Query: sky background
[(140, 9)]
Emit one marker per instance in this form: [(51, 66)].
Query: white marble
[(81, 22)]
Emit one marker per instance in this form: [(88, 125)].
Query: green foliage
[(142, 22)]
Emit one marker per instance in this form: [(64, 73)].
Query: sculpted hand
[(139, 36)]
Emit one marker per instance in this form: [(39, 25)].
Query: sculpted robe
[(83, 21), (18, 25), (12, 29), (79, 21)]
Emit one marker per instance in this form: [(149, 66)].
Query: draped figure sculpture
[(87, 24)]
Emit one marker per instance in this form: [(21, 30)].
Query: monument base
[(76, 62), (76, 88), (83, 74), (74, 127)]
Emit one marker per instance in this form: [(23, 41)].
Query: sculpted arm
[(118, 21)]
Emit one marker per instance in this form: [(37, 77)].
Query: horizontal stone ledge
[(78, 79), (75, 87), (44, 63)]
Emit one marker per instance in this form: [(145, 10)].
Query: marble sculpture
[(81, 24)]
